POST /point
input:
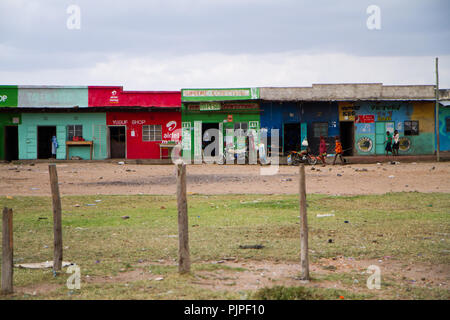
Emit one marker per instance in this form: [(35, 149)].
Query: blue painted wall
[(275, 114)]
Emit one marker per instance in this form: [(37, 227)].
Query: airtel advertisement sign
[(100, 96)]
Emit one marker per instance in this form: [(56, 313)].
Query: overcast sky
[(168, 44)]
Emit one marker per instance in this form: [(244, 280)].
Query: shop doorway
[(117, 142), (44, 141), (291, 137), (207, 138), (11, 143), (347, 137)]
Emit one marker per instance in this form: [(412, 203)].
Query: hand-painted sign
[(365, 118), (219, 94), (8, 96), (347, 111)]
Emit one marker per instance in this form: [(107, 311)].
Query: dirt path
[(111, 178)]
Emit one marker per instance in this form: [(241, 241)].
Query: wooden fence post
[(304, 261), (57, 220), (7, 252), (184, 261)]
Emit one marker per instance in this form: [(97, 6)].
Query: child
[(388, 143), (338, 151), (396, 144), (322, 150)]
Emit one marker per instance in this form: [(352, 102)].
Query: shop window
[(447, 124), (74, 131), (411, 128), (320, 129), (152, 132), (241, 128)]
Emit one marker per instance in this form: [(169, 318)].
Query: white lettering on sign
[(114, 98), (3, 98), (137, 121), (217, 93), (120, 122)]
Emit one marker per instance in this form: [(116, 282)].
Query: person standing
[(322, 150), (338, 150), (396, 143), (388, 142), (54, 146)]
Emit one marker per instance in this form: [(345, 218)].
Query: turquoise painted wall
[(52, 97), (444, 131), (94, 128)]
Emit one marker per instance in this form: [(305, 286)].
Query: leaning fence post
[(57, 223), (304, 261), (184, 261), (7, 251)]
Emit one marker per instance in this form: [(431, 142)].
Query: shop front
[(10, 119), (139, 124), (225, 120), (414, 120)]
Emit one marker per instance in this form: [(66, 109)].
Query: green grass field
[(409, 227)]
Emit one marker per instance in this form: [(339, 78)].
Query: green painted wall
[(94, 128), (215, 117), (6, 119)]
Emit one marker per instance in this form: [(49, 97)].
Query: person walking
[(396, 144), (338, 150), (322, 150)]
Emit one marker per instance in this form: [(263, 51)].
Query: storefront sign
[(8, 96), (210, 106), (219, 94), (230, 118), (347, 111), (365, 118)]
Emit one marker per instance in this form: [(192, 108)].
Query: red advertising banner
[(101, 96), (365, 118)]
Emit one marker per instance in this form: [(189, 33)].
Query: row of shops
[(106, 122)]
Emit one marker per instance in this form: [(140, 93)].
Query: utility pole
[(437, 111)]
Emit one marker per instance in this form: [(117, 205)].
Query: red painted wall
[(136, 148), (101, 96)]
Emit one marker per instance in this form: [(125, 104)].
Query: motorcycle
[(304, 156)]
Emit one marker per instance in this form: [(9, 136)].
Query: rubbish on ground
[(391, 177), (34, 188), (339, 175), (90, 204), (9, 197), (42, 218), (125, 217), (98, 200), (346, 221), (159, 279), (325, 215), (330, 240), (252, 246), (41, 265), (120, 162)]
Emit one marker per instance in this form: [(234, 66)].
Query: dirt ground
[(112, 178), (259, 274)]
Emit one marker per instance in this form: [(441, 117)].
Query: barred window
[(320, 129), (411, 128), (74, 131), (152, 132)]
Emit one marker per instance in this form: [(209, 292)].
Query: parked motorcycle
[(304, 156)]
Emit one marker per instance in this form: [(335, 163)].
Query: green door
[(380, 135)]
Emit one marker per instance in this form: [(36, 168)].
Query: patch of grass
[(304, 293), (401, 225)]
